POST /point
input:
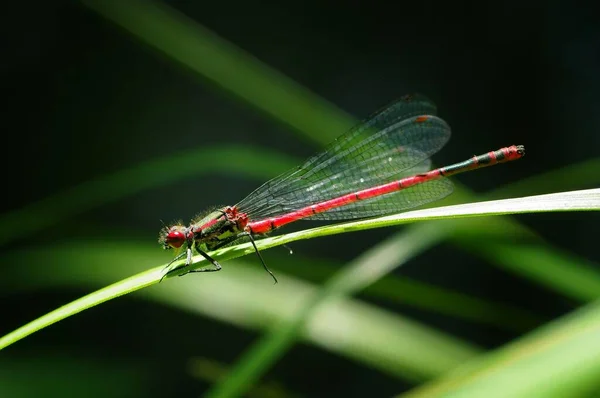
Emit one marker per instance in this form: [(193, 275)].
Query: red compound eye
[(175, 238)]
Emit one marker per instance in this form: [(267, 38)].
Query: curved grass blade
[(362, 272), (211, 371), (570, 201), (417, 294), (367, 269), (362, 339), (57, 265)]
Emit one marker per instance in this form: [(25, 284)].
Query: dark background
[(84, 98)]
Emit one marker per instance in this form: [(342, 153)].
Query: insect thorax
[(218, 226)]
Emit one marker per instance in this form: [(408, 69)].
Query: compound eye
[(175, 238)]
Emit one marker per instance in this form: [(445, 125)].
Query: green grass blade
[(421, 295), (501, 233), (571, 201), (364, 271), (115, 290), (456, 304), (565, 273), (64, 269), (268, 305), (584, 200), (212, 371), (552, 269), (561, 359), (232, 69)]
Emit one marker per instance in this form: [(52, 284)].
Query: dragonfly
[(379, 167)]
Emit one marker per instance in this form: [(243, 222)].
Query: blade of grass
[(349, 328), (569, 270), (417, 294), (65, 270), (561, 359), (571, 201), (115, 290), (127, 182), (364, 271), (112, 187), (549, 269), (192, 45), (583, 200), (211, 371)]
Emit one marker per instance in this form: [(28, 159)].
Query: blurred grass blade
[(381, 339), (421, 295), (105, 189), (200, 50), (578, 200), (349, 328), (212, 371), (503, 232), (368, 268), (128, 257), (561, 359), (495, 240), (115, 290), (551, 269)]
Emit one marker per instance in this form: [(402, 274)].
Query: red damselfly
[(379, 167)]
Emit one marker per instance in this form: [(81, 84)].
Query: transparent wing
[(391, 203), (393, 143)]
